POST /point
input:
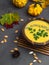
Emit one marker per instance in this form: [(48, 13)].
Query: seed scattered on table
[(17, 38), (16, 49), (39, 61), (11, 51), (5, 40), (16, 31), (2, 29), (42, 18), (22, 20), (15, 41), (2, 41), (6, 36), (31, 52), (29, 18), (36, 58), (31, 63), (34, 54), (34, 61)]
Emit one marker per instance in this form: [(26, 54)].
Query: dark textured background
[(5, 56)]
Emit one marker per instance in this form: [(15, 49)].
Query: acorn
[(15, 53)]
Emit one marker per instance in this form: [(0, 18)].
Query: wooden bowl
[(34, 34)]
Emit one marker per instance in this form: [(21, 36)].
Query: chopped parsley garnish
[(38, 34)]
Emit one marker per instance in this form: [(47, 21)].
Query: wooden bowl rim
[(34, 43)]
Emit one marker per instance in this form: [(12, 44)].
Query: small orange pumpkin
[(35, 9)]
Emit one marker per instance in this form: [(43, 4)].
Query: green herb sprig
[(38, 34), (9, 18)]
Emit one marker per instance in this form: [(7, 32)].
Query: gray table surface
[(24, 58)]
